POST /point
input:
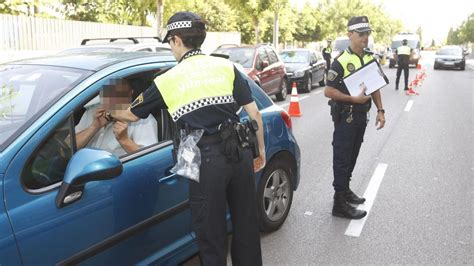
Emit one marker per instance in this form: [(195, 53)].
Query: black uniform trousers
[(347, 140), (222, 182), (328, 65), (405, 68)]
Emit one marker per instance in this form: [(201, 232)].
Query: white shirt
[(144, 132)]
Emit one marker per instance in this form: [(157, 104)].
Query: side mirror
[(265, 64), (86, 165)]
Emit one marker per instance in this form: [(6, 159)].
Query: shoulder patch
[(332, 75), (137, 101)]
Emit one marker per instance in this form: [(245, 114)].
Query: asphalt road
[(422, 206)]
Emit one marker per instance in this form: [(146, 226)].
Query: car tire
[(309, 84), (435, 66), (281, 96), (463, 67), (274, 195), (322, 82)]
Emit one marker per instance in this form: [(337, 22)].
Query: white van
[(413, 42), (341, 43)]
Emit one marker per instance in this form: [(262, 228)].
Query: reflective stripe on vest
[(403, 50), (328, 50), (196, 82), (349, 60)]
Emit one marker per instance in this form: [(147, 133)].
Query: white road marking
[(355, 226), (408, 106), (303, 97), (284, 105), (317, 92)]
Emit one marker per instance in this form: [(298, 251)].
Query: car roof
[(297, 49), (94, 61)]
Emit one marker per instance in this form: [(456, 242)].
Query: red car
[(262, 64)]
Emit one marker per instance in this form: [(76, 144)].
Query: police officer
[(327, 55), (350, 116), (403, 57), (204, 92)]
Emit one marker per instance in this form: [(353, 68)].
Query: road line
[(284, 105), (355, 226), (408, 106), (317, 92), (303, 97)]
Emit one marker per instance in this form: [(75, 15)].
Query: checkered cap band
[(201, 103), (179, 25), (357, 26)]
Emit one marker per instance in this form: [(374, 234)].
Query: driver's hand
[(99, 119), (120, 130)]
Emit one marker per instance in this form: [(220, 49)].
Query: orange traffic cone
[(294, 102), (410, 90)]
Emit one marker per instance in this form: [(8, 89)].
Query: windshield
[(295, 56), (450, 51), (411, 43), (241, 55), (27, 91), (341, 45)]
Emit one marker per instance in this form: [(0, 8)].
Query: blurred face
[(116, 96), (359, 40)]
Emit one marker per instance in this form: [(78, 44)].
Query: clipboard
[(370, 75)]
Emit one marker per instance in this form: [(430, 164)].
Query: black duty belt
[(210, 139), (358, 108)]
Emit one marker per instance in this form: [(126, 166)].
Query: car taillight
[(286, 118)]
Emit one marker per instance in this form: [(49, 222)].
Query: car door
[(277, 69), (141, 216)]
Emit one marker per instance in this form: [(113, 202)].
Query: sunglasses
[(362, 34)]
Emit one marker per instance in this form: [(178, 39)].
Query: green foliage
[(463, 34)]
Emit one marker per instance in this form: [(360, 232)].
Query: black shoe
[(406, 89), (351, 197), (396, 88), (344, 210)]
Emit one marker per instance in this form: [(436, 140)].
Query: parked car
[(262, 64), (64, 206), (450, 56), (305, 67), (126, 44)]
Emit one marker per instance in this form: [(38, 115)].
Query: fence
[(23, 37)]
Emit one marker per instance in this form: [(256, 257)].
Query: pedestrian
[(349, 114), (205, 93), (403, 59), (327, 55)]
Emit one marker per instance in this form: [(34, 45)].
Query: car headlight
[(298, 74)]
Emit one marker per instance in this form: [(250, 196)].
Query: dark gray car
[(305, 67), (450, 57)]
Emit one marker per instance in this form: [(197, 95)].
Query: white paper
[(370, 75)]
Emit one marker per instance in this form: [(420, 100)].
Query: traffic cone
[(410, 90), (294, 109)]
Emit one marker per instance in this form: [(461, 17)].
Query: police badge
[(350, 67), (332, 75)]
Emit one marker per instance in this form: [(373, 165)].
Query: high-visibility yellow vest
[(403, 50), (196, 82), (328, 50), (350, 62)]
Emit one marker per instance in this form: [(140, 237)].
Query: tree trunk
[(159, 17)]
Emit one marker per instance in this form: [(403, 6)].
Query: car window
[(450, 51), (273, 58), (313, 58), (240, 55), (146, 50), (262, 56), (27, 91), (47, 164), (294, 56), (97, 127)]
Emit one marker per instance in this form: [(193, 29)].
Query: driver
[(99, 129)]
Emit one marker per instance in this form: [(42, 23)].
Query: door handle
[(169, 179)]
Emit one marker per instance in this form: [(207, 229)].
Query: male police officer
[(327, 55), (403, 57), (350, 116), (204, 93)]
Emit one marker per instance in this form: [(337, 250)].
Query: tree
[(309, 29)]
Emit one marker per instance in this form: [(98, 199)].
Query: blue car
[(63, 205)]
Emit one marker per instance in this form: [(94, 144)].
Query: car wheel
[(463, 67), (435, 66), (274, 195), (322, 82), (281, 96), (309, 84)]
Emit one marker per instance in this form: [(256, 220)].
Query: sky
[(434, 17)]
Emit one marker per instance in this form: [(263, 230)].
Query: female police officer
[(204, 92), (350, 116)]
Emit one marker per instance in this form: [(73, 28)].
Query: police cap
[(359, 24), (183, 20), (404, 41)]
